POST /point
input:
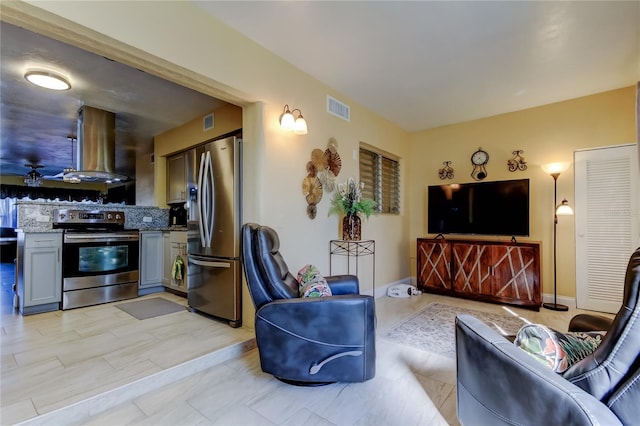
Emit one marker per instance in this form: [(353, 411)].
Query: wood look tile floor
[(53, 360)]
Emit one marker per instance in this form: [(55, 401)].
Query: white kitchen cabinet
[(177, 247), (151, 259), (176, 179), (39, 263), (166, 249)]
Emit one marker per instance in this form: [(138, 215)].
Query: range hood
[(96, 147)]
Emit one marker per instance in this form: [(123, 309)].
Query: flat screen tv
[(483, 208)]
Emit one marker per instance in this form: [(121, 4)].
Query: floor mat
[(149, 308), (433, 328)]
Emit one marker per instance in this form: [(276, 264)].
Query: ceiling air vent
[(337, 108)]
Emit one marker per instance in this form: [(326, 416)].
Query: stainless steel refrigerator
[(214, 182)]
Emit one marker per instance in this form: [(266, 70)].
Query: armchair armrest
[(343, 284), (586, 322), (499, 384)]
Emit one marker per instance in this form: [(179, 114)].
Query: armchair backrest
[(618, 356), (266, 271)]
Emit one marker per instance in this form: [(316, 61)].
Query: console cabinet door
[(505, 272), (515, 273), (471, 268), (434, 265)]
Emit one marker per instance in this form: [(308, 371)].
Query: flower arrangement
[(348, 200)]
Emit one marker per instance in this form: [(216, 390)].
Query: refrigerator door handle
[(200, 204), (209, 263), (211, 205)]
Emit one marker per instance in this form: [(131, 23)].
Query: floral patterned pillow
[(557, 350), (312, 283)]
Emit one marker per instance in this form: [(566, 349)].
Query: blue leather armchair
[(306, 341), (499, 384)]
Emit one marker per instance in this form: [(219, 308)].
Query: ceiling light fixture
[(290, 123), (48, 80)]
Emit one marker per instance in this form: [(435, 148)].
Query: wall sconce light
[(289, 122), (517, 162), (48, 80), (447, 171)]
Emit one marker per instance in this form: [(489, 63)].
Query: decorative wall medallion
[(312, 189), (517, 162), (447, 171), (321, 175)]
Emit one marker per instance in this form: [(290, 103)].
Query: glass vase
[(351, 227)]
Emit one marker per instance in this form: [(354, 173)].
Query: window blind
[(381, 177)]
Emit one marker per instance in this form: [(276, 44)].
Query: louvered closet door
[(607, 223)]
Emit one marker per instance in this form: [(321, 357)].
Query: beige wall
[(547, 134), (227, 118)]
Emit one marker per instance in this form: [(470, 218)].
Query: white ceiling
[(423, 64), (419, 64)]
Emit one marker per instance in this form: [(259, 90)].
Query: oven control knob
[(62, 215), (117, 217), (72, 215), (109, 216)]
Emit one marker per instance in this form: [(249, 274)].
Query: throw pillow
[(312, 283), (557, 350)]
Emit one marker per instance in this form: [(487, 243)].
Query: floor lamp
[(562, 209)]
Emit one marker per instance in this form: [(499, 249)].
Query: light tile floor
[(53, 360)]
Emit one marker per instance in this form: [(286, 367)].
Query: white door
[(607, 223)]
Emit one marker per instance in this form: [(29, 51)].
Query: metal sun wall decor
[(321, 175), (447, 171), (517, 162)]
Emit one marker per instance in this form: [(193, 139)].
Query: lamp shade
[(564, 209), (300, 126), (559, 167)]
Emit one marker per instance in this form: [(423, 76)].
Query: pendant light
[(33, 177), (69, 172)]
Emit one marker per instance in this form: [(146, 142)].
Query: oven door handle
[(99, 238), (209, 263)]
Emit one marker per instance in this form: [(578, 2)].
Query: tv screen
[(484, 208)]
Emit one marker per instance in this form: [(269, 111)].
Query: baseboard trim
[(563, 300), (546, 297)]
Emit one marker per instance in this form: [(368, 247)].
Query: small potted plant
[(348, 200)]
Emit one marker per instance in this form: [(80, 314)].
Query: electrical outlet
[(147, 219)]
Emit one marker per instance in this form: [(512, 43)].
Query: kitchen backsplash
[(36, 216)]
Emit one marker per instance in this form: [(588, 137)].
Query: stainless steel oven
[(99, 258)]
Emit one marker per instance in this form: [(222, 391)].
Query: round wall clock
[(479, 160)]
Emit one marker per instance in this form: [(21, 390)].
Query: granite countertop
[(166, 228), (39, 231)]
